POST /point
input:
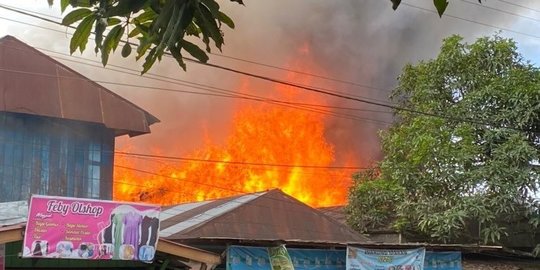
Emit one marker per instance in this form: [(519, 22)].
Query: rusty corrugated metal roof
[(271, 215), (335, 212), (34, 83)]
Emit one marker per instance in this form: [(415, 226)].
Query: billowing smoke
[(360, 41)]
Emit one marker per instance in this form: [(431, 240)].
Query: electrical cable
[(470, 21), (241, 163), (190, 159), (341, 115), (500, 10), (233, 191), (327, 92), (518, 5), (250, 61), (13, 9), (312, 89)]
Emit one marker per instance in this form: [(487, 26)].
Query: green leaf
[(142, 28), (213, 6), (440, 5), (82, 3), (395, 4), (101, 25), (177, 30), (195, 51), (164, 17), (125, 7), (81, 34), (193, 30), (175, 52), (111, 43), (147, 15), (226, 19), (63, 5), (134, 32), (149, 60), (208, 26), (76, 15), (113, 21), (144, 44), (126, 50)]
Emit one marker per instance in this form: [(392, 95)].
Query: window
[(41, 155)]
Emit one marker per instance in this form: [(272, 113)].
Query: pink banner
[(76, 228)]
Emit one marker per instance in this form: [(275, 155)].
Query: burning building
[(279, 142)]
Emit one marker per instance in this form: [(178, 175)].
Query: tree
[(159, 26), (372, 207), (478, 165)]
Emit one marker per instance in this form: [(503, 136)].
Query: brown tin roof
[(33, 83), (263, 216), (335, 212)]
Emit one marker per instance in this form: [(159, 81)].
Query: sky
[(361, 42)]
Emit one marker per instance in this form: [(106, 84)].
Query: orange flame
[(262, 133)]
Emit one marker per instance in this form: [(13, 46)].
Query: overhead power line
[(252, 61), (167, 158), (220, 93), (484, 5), (167, 54), (471, 21), (33, 14), (342, 96), (512, 3), (262, 77), (301, 72), (241, 162)]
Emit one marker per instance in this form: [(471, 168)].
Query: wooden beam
[(8, 235), (187, 252)]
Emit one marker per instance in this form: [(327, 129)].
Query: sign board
[(75, 228), (377, 259), (257, 258), (443, 261)]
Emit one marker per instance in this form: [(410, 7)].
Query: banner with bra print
[(74, 228)]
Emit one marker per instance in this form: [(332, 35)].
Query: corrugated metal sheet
[(13, 212), (203, 216), (34, 83), (271, 215), (335, 212)]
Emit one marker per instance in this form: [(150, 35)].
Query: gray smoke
[(361, 41)]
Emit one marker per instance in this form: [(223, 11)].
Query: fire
[(291, 140)]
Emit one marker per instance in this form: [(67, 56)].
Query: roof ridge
[(321, 214), (224, 213)]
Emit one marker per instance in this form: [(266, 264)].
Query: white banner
[(377, 259)]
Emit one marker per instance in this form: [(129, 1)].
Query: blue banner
[(384, 259), (317, 259), (256, 258), (443, 261), (248, 258)]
